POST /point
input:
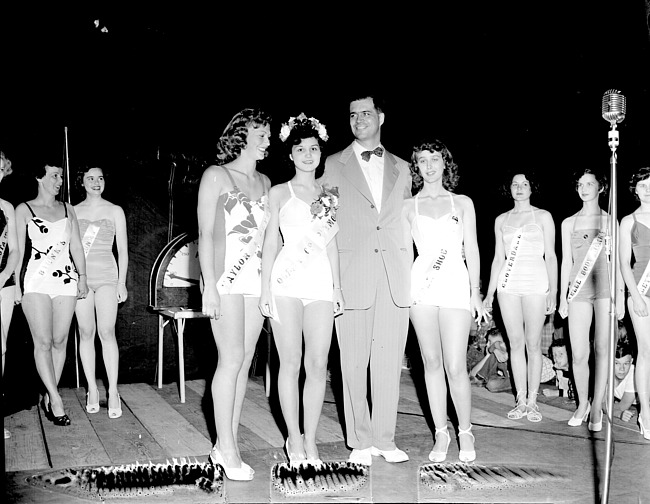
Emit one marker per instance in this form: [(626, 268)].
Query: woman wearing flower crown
[(444, 290), (232, 216), (301, 289)]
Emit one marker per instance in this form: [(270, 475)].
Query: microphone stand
[(613, 327)]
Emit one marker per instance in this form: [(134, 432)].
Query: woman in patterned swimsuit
[(100, 223), (589, 295), (635, 241), (301, 292), (444, 288), (524, 274), (232, 216), (54, 277), (8, 263)]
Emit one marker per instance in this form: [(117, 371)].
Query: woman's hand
[(266, 303), (640, 306), (211, 302), (564, 308), (338, 302), (82, 287), (122, 293), (478, 309), (551, 302), (18, 294)]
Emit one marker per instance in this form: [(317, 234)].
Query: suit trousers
[(376, 337)]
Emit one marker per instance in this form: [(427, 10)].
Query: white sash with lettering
[(293, 260), (644, 282), (587, 265), (511, 260), (46, 264), (89, 237), (230, 274), (431, 272), (3, 241)]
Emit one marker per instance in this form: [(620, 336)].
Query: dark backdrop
[(503, 85)]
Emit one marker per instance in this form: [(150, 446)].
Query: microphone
[(613, 106)]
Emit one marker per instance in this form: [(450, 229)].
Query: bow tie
[(365, 155)]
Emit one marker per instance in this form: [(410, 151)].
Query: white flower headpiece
[(285, 131)]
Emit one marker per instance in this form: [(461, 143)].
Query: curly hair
[(233, 139), (600, 177), (82, 170), (530, 177), (640, 175), (300, 131), (450, 174)]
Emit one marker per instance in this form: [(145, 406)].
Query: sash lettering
[(89, 237), (231, 272), (644, 282), (587, 265), (3, 241), (46, 264), (511, 260), (292, 260)]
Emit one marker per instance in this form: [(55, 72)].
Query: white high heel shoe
[(466, 455), (242, 473), (435, 456), (577, 421)]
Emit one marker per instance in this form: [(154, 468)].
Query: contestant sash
[(231, 273), (644, 282), (3, 240), (432, 271), (89, 237), (292, 261), (46, 263), (587, 265), (511, 260)]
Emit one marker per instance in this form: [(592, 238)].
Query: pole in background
[(66, 199), (613, 109)]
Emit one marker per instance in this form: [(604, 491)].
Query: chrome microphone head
[(613, 106)]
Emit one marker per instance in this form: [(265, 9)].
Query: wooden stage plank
[(548, 411), (124, 439), (76, 444), (25, 449), (177, 436)]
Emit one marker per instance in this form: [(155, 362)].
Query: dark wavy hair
[(300, 131), (7, 163), (530, 177), (233, 139), (450, 175), (82, 170), (638, 176), (600, 177)]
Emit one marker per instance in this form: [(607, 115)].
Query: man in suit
[(375, 279)]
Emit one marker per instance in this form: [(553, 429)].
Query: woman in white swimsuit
[(232, 216), (54, 277), (444, 288), (301, 288), (524, 274)]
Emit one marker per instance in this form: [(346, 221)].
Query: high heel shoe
[(596, 426), (116, 412), (242, 473), (292, 457), (466, 455), (61, 421), (92, 408), (577, 421), (645, 432), (435, 456), (519, 411)]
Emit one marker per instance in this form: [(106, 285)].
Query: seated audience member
[(563, 375), (492, 369), (624, 391)]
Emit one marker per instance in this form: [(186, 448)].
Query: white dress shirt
[(373, 171)]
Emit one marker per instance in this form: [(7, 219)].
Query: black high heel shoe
[(61, 421)]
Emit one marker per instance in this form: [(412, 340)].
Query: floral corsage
[(326, 204)]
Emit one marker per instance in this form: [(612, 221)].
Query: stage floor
[(156, 427)]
